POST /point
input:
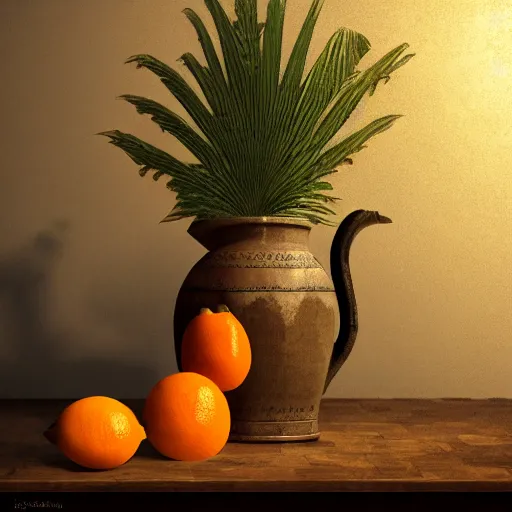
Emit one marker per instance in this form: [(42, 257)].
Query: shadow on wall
[(35, 367)]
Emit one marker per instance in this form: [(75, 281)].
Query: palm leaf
[(236, 66), (271, 55), (212, 58), (394, 67), (146, 154), (332, 70), (205, 121), (350, 96), (295, 69), (288, 94), (242, 113), (248, 31), (261, 141), (173, 124), (335, 64), (184, 178), (179, 89), (267, 90), (354, 143), (212, 81), (345, 102), (207, 83)]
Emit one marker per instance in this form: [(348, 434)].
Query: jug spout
[(340, 272)]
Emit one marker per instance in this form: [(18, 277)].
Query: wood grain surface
[(380, 445)]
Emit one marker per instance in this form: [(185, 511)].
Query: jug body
[(263, 270)]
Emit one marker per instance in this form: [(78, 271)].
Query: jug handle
[(343, 286)]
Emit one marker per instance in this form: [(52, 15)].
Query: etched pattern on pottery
[(261, 259), (264, 288)]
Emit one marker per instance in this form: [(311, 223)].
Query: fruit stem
[(222, 308), (205, 311), (50, 433)]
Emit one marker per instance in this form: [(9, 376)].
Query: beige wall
[(88, 277)]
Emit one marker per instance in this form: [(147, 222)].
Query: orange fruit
[(97, 433), (187, 417), (216, 345)]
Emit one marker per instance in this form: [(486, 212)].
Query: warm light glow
[(500, 69), (481, 65), (496, 28)]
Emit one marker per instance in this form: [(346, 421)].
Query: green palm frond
[(262, 138)]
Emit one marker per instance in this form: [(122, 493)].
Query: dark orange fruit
[(186, 417), (216, 345)]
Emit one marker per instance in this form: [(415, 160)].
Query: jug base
[(274, 431), (272, 439)]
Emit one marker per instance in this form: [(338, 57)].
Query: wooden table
[(381, 445)]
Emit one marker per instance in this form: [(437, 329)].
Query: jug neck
[(217, 233)]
